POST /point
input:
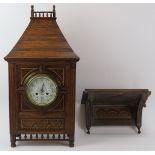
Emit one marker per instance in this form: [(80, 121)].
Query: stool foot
[(139, 130), (88, 130)]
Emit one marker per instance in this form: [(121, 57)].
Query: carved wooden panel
[(25, 106), (59, 74), (112, 113), (43, 124), (24, 71)]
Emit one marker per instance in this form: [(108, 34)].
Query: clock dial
[(41, 90)]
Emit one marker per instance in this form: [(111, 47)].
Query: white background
[(116, 46)]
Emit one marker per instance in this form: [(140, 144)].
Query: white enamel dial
[(41, 90)]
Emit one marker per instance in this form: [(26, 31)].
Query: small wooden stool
[(114, 106)]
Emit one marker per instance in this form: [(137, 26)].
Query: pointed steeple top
[(42, 40)]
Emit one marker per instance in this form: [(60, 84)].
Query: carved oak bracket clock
[(42, 70)]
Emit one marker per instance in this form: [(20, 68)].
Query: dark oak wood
[(42, 49), (114, 106)]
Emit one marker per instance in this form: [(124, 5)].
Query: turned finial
[(54, 12), (32, 10)]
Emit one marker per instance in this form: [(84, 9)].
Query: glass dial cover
[(41, 90)]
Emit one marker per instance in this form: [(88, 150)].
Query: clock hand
[(42, 89)]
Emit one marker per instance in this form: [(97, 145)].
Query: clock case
[(42, 49)]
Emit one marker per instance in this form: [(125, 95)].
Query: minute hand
[(42, 89)]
